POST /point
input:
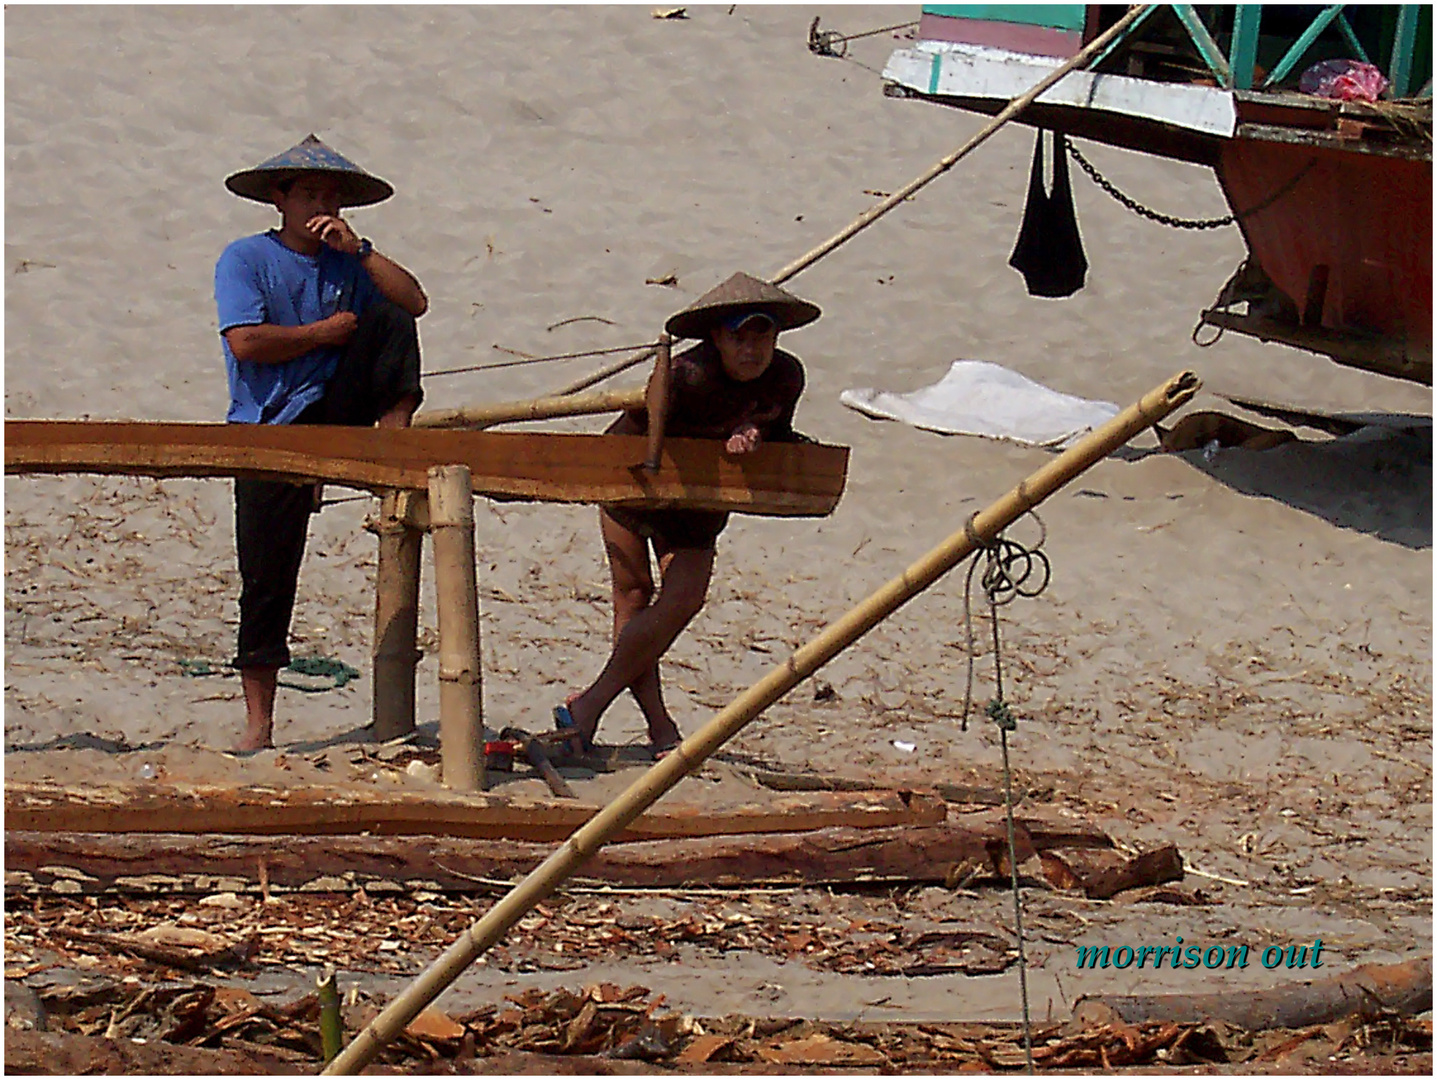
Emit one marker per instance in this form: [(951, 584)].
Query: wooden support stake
[(396, 615), (461, 710), (983, 528)]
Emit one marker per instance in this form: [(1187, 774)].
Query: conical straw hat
[(740, 293), (357, 187)]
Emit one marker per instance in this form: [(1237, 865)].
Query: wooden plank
[(187, 863), (152, 808), (779, 479)]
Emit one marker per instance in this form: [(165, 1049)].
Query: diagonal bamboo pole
[(1109, 36), (982, 528)]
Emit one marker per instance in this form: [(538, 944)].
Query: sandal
[(564, 723), (658, 753)]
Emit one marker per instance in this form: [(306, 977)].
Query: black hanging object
[(1049, 251)]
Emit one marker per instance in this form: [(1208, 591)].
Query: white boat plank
[(957, 70)]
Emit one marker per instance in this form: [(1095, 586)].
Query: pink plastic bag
[(1343, 80)]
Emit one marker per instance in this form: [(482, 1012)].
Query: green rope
[(317, 667)]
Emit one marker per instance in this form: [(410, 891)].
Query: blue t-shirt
[(259, 280)]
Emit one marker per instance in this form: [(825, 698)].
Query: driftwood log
[(188, 863), (1368, 991), (315, 811), (778, 479)]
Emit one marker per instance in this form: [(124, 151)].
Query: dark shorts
[(673, 528), (379, 368)]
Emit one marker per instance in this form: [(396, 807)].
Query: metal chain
[(1185, 223), (1141, 210)]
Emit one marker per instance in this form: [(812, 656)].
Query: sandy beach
[(1234, 654)]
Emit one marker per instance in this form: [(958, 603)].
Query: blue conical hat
[(358, 188)]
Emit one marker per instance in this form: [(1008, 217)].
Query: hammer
[(537, 758), (656, 402)]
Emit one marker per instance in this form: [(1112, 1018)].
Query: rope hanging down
[(1010, 570)]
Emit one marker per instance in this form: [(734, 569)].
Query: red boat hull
[(1365, 217)]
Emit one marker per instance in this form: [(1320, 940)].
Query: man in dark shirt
[(737, 386)]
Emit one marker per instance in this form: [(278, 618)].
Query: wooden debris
[(184, 950), (778, 479), (1368, 991), (703, 1049), (822, 1050), (205, 1029), (1103, 874), (394, 935)]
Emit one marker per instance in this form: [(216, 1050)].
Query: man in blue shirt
[(317, 328)]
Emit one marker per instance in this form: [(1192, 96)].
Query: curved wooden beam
[(779, 479)]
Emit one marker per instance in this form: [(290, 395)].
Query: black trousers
[(378, 369)]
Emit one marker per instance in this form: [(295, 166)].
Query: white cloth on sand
[(979, 398)]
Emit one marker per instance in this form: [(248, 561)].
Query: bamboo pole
[(980, 529), (543, 408), (868, 217), (461, 709), (396, 618)]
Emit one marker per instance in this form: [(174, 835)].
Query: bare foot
[(663, 737), (256, 738)]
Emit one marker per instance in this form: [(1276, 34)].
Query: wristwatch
[(365, 249)]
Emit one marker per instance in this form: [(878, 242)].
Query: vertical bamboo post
[(396, 614), (461, 711), (981, 529)]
